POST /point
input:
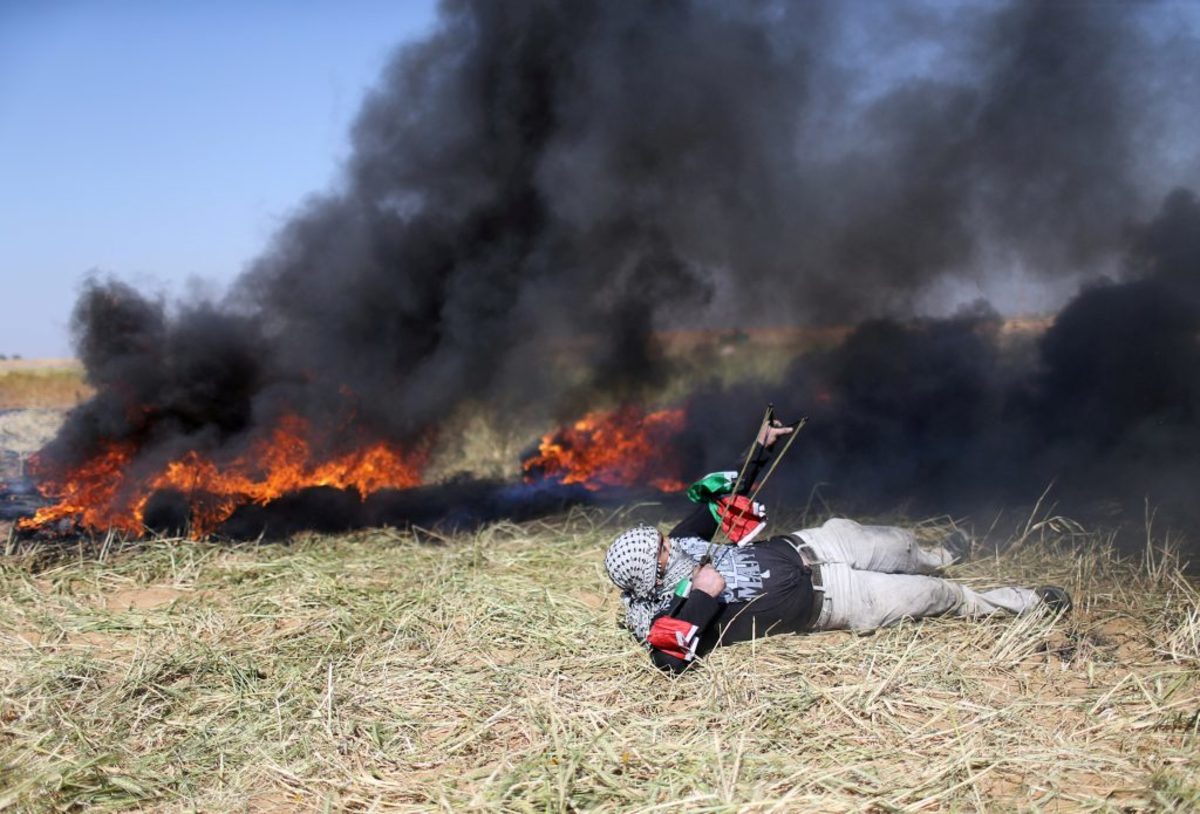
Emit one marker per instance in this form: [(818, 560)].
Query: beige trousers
[(873, 576)]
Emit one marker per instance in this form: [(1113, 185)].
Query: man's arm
[(770, 432), (700, 522), (675, 635)]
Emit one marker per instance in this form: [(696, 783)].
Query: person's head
[(637, 559)]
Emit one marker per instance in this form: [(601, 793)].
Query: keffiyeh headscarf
[(632, 564)]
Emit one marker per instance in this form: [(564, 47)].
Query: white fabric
[(632, 564), (873, 576), (632, 559)]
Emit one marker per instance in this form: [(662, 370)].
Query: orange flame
[(89, 493), (625, 447), (102, 494)]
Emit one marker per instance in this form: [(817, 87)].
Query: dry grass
[(41, 383), (486, 672)]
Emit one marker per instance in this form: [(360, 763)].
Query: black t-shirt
[(778, 601), (774, 595)]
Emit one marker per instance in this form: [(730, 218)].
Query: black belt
[(818, 596), (814, 574)]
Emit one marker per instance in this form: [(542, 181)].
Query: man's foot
[(1056, 599), (958, 545)]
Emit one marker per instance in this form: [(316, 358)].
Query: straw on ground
[(378, 672)]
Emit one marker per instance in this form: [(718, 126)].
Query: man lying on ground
[(839, 576)]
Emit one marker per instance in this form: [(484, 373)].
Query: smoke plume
[(945, 415), (582, 173)]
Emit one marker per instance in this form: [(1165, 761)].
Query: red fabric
[(739, 517), (674, 637)]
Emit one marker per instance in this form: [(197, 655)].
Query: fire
[(103, 494), (89, 494), (625, 447)]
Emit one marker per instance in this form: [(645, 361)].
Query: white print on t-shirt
[(739, 567)]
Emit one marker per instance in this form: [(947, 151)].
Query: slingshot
[(739, 502)]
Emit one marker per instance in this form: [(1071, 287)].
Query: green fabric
[(712, 486)]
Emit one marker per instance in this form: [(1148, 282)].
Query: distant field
[(41, 383)]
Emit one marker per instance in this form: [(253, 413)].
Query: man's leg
[(890, 549), (864, 600)]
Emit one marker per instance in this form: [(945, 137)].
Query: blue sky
[(162, 141), (165, 142)]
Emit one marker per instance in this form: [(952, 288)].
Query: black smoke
[(951, 415), (538, 176)]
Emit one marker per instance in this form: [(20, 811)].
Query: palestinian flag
[(711, 487)]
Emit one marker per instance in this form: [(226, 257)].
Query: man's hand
[(709, 580), (771, 431)]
